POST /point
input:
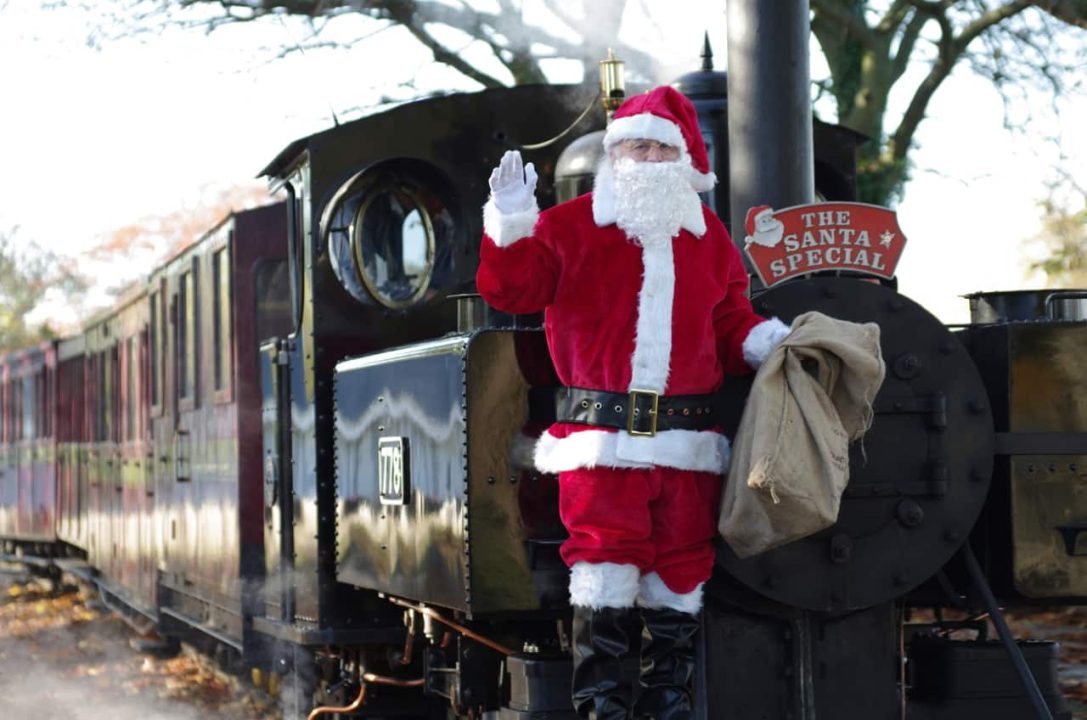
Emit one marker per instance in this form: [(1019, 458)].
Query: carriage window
[(45, 402), (115, 408), (131, 406), (273, 292), (5, 404), (155, 337), (8, 412), (221, 342), (30, 395), (186, 336), (104, 396), (17, 410)]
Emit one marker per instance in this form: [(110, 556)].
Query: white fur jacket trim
[(507, 228), (698, 450)]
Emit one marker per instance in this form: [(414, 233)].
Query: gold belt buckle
[(633, 405)]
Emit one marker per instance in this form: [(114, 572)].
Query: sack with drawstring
[(810, 399)]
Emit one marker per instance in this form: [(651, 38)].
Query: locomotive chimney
[(771, 155)]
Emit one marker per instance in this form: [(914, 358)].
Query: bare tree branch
[(986, 21), (906, 44), (869, 48)]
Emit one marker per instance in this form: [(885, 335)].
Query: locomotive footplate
[(918, 479)]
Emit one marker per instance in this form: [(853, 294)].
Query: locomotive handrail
[(1051, 298), (1030, 685), (564, 133)]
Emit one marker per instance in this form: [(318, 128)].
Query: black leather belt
[(639, 412)]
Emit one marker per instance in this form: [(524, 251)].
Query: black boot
[(667, 664), (601, 640)]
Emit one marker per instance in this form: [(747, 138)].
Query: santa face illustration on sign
[(762, 227)]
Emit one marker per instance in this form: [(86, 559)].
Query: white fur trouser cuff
[(653, 593), (601, 585)]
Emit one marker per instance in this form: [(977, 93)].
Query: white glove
[(513, 188)]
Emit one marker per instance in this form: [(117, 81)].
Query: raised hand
[(513, 187)]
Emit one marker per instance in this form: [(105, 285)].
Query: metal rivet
[(584, 403), (597, 406), (686, 411), (671, 411), (618, 408)]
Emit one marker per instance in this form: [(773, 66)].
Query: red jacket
[(619, 316)]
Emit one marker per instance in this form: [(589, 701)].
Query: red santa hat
[(754, 214), (667, 116)]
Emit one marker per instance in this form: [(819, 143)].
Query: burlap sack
[(790, 458)]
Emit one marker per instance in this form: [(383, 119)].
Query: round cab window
[(390, 235), (393, 243)]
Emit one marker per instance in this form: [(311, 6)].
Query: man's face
[(644, 150)]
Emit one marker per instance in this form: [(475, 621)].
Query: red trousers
[(660, 520)]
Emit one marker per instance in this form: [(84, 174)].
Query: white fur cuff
[(507, 228), (762, 340), (653, 593), (600, 585)]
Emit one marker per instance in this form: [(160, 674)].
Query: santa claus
[(645, 312)]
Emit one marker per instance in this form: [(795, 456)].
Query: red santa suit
[(620, 315)]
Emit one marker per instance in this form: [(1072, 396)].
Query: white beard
[(652, 199)]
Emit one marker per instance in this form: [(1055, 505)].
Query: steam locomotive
[(300, 445)]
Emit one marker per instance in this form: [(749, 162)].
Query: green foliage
[(29, 276), (910, 48), (1064, 242), (880, 179)]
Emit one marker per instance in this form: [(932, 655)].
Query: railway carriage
[(27, 446)]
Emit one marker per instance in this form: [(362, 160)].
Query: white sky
[(96, 139)]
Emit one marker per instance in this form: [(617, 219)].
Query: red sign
[(826, 236)]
